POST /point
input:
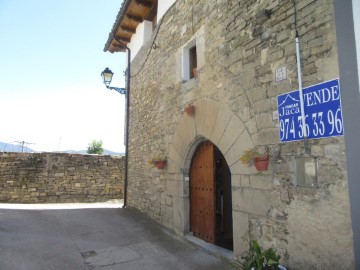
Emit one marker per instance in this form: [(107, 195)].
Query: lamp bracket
[(117, 89)]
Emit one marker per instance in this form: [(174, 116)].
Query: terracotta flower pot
[(160, 164), (190, 110), (261, 164)]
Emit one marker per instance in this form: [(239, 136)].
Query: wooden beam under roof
[(131, 14), (144, 3), (152, 13), (134, 18), (123, 39), (128, 29)]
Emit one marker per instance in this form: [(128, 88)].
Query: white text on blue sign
[(322, 108)]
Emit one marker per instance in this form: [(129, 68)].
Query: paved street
[(84, 239)]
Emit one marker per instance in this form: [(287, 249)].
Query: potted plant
[(258, 156), (190, 110), (259, 259), (160, 164), (157, 162), (195, 73)]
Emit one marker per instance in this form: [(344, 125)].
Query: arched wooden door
[(202, 192), (210, 196)]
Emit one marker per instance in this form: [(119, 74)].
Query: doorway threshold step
[(211, 248)]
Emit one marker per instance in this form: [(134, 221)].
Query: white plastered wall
[(144, 29), (163, 6), (142, 35)]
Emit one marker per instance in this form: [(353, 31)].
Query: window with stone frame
[(189, 61), (193, 62)]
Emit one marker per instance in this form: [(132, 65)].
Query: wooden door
[(224, 230), (202, 193)]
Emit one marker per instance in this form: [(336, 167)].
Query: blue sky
[(51, 57)]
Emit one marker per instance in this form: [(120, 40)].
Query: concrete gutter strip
[(63, 206)]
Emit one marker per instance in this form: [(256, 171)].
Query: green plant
[(95, 147), (249, 155), (259, 259), (151, 162), (33, 161)]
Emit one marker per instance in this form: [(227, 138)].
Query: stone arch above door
[(212, 121)]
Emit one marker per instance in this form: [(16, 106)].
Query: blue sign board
[(322, 107)]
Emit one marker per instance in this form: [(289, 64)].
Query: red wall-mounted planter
[(261, 164), (190, 110), (160, 164)]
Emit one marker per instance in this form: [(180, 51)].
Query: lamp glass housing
[(107, 75)]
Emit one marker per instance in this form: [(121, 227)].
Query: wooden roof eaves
[(119, 17)]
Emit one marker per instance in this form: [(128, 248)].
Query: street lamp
[(107, 75)]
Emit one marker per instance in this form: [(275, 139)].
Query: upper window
[(189, 61), (193, 62)]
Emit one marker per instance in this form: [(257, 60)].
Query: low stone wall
[(59, 177)]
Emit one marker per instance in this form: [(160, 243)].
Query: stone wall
[(235, 95), (60, 178)]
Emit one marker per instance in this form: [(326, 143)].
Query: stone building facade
[(239, 46), (60, 178)]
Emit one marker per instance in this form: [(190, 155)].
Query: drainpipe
[(127, 118), (302, 107)]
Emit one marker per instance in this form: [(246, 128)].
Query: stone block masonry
[(60, 178), (234, 95)]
